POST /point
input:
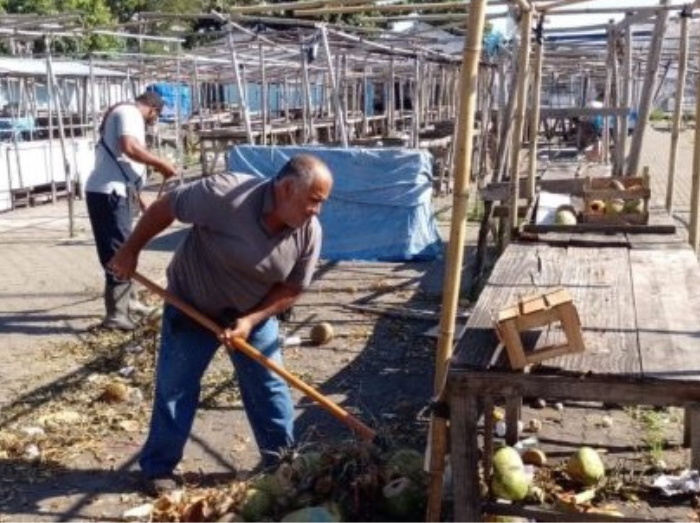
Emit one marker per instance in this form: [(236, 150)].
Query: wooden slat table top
[(639, 308)]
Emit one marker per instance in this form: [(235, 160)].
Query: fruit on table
[(616, 206), (635, 206), (596, 206), (565, 217)]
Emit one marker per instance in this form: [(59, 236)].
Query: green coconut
[(311, 514), (270, 484), (585, 467), (507, 460), (615, 206), (307, 464), (635, 206), (406, 462), (512, 485), (565, 217), (404, 500), (257, 505)]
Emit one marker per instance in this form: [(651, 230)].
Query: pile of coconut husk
[(347, 482)]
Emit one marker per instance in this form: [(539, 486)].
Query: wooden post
[(678, 109), (339, 114), (415, 134), (307, 100), (645, 101), (455, 256), (242, 88), (521, 100), (535, 114)]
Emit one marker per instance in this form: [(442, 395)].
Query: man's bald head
[(305, 170)]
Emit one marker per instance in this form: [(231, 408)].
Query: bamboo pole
[(455, 256), (645, 102), (535, 93), (242, 88), (521, 100), (678, 109), (694, 229)]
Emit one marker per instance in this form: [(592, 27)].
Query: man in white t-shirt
[(121, 158)]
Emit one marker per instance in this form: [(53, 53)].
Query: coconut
[(270, 484), (406, 462), (114, 392), (507, 460), (596, 207), (534, 457), (321, 333), (311, 514), (585, 467), (617, 185), (512, 485), (635, 206), (257, 505), (307, 464), (403, 500), (615, 206), (565, 217)]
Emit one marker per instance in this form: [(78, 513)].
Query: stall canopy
[(379, 208)]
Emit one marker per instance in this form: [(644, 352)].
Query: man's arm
[(158, 217), (137, 152), (280, 298)]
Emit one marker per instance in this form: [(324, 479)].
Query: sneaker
[(157, 487)]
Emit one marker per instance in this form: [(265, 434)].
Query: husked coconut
[(321, 333)]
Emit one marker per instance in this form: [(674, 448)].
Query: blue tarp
[(169, 93), (379, 208)]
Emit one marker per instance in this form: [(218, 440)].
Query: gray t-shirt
[(125, 120), (229, 260)]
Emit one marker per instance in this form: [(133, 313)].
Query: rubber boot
[(117, 305), (137, 307)]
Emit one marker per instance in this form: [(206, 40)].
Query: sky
[(588, 19)]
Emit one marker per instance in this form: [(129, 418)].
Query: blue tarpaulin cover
[(379, 208), (169, 93)]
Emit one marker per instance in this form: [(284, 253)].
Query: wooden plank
[(569, 112), (650, 228), (579, 387), (666, 287), (601, 287), (522, 269)]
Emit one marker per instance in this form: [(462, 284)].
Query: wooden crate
[(599, 189), (536, 311)]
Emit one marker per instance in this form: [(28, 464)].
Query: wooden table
[(639, 303)]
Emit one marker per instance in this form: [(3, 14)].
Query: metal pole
[(61, 135), (339, 115), (242, 93), (678, 109)]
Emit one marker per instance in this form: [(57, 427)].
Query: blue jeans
[(185, 352)]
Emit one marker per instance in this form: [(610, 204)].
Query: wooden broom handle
[(240, 344)]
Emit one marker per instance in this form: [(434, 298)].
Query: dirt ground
[(75, 404)]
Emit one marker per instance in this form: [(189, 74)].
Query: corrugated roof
[(36, 67)]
